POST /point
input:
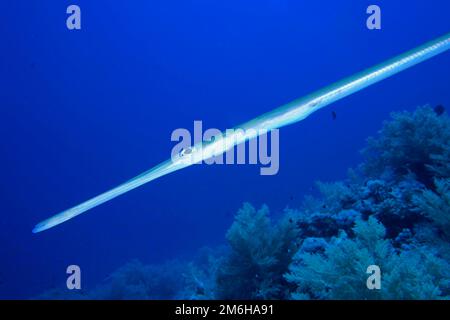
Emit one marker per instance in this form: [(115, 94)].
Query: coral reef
[(138, 281), (416, 143), (340, 271), (436, 205), (260, 253), (393, 211)]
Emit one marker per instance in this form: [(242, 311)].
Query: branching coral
[(436, 205), (441, 164), (260, 254), (416, 274), (410, 143), (336, 196), (391, 202), (340, 272), (200, 276)]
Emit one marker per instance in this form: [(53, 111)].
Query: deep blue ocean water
[(82, 111)]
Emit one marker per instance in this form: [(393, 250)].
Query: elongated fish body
[(292, 112)]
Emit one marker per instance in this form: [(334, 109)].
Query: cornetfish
[(289, 113)]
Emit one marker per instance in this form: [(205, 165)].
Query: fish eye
[(185, 151)]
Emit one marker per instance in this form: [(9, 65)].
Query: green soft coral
[(410, 143), (340, 272), (436, 205), (260, 254)]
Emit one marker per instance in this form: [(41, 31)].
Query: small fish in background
[(291, 197), (333, 115), (439, 110)]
